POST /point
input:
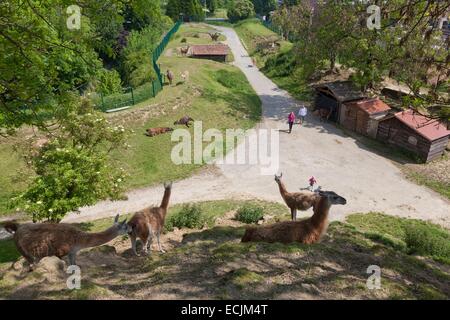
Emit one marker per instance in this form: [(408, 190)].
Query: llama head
[(332, 197), (121, 227), (278, 178), (167, 185)]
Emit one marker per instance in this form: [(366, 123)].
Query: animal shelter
[(363, 116), (216, 52), (417, 133), (331, 96)]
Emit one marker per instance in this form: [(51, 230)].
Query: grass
[(249, 213), (229, 269), (148, 160), (440, 187)]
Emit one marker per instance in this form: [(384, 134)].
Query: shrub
[(249, 213), (428, 240), (196, 35), (190, 216), (184, 40), (109, 82), (240, 10)]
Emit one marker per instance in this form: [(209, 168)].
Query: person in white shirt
[(302, 112)]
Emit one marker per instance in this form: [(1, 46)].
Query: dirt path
[(340, 163)]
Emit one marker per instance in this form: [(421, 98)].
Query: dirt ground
[(369, 182), (213, 264)]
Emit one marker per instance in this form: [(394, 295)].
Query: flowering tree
[(72, 167)]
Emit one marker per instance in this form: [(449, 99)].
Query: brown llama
[(296, 200), (170, 76), (184, 121), (185, 51), (38, 240), (214, 36), (324, 114), (307, 231), (157, 131), (149, 222)]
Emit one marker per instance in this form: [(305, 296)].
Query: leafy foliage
[(109, 82), (241, 10), (190, 216), (424, 240), (250, 213), (72, 167), (190, 9)]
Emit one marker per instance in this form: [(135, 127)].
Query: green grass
[(439, 186), (250, 213), (148, 160)]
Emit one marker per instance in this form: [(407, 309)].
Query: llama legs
[(159, 244), (294, 214), (133, 244), (72, 258)]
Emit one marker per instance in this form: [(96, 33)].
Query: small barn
[(363, 116), (332, 95), (415, 132), (216, 52)]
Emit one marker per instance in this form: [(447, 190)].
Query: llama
[(149, 222), (184, 121), (214, 36), (324, 114), (38, 240), (170, 76), (296, 200), (185, 76), (151, 132), (308, 231), (185, 51)]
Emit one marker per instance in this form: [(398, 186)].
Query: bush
[(428, 240), (249, 213), (184, 40), (241, 10), (109, 82), (190, 216)]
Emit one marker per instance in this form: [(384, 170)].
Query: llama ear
[(116, 219), (124, 221)]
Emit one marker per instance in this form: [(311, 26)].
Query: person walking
[(302, 112), (291, 120), (312, 182)]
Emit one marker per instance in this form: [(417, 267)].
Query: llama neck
[(98, 238), (283, 190), (165, 199), (320, 216)]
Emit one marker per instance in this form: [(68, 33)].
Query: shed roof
[(430, 129), (370, 106), (343, 91), (210, 50)]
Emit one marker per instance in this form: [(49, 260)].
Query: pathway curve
[(368, 181)]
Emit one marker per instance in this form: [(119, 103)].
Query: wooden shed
[(415, 132), (332, 95), (216, 52), (363, 116)]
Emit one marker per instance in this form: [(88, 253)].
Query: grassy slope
[(233, 105), (228, 269)]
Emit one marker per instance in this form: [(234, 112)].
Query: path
[(368, 181)]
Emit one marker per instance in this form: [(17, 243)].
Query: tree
[(264, 7), (240, 10), (212, 5), (191, 9), (72, 168)]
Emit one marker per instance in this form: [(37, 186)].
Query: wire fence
[(131, 96)]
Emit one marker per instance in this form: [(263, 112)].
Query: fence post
[(103, 102), (132, 95), (153, 87)]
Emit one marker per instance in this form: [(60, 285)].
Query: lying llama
[(296, 200), (185, 51), (184, 121), (38, 240), (307, 231), (214, 36), (156, 131), (149, 222)]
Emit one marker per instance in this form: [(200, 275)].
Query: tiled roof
[(431, 129), (371, 106), (210, 50)]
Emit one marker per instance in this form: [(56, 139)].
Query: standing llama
[(38, 240), (307, 231), (170, 76), (296, 200), (149, 222), (214, 36), (185, 51)]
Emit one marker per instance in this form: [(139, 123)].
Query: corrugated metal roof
[(371, 106), (210, 50), (342, 90), (430, 129)]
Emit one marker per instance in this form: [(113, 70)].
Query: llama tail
[(10, 226), (248, 235), (166, 196)]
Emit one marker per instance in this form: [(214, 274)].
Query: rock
[(51, 266), (20, 265)]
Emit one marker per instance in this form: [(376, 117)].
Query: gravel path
[(368, 181)]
